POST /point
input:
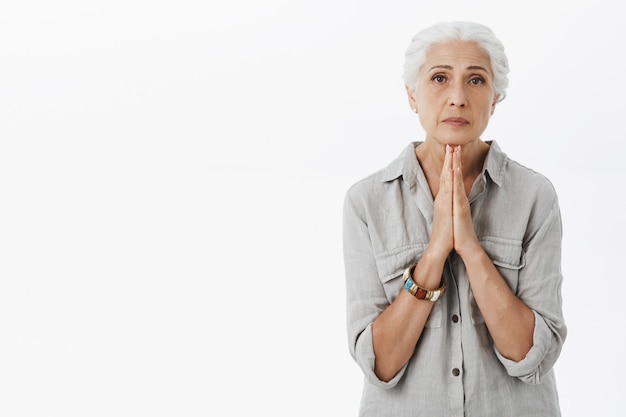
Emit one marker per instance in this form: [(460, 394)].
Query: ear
[(493, 105), (410, 92)]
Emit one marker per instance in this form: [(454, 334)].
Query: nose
[(458, 97)]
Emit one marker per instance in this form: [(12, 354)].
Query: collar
[(407, 166), (495, 163)]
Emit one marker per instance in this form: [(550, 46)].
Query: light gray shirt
[(456, 369)]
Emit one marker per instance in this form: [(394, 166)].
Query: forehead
[(456, 54)]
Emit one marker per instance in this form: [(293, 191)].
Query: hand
[(442, 235), (464, 235)]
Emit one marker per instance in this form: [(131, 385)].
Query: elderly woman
[(453, 251)]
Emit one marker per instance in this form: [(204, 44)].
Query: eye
[(477, 80), (439, 78)]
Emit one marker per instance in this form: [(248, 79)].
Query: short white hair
[(464, 31)]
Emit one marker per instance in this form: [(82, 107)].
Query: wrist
[(434, 256), (418, 291), (428, 272), (469, 250)]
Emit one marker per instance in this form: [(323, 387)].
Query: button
[(455, 318), (456, 372)]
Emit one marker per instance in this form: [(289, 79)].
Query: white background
[(171, 184)]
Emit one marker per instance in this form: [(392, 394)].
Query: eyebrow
[(449, 67)]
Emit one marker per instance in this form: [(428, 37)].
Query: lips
[(456, 121)]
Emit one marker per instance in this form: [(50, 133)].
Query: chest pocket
[(509, 258), (391, 265)]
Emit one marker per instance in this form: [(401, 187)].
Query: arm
[(510, 321), (365, 294), (382, 335), (396, 331), (391, 330), (539, 287), (526, 326)]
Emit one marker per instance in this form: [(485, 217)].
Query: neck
[(431, 154)]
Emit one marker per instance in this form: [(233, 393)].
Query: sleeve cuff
[(366, 360), (528, 369)]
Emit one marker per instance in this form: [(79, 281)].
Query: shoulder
[(376, 185), (366, 186), (529, 193), (520, 177), (514, 176)]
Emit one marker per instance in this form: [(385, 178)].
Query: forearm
[(396, 331), (510, 322)]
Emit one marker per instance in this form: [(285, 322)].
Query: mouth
[(455, 121)]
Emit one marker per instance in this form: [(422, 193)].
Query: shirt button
[(455, 318), (456, 372)]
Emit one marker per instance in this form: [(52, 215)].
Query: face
[(455, 96)]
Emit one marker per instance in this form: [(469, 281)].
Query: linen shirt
[(456, 370)]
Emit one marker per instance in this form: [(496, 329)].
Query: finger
[(442, 230), (459, 186), (447, 160), (456, 162), (445, 180)]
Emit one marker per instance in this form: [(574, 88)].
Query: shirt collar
[(407, 167), (495, 163)]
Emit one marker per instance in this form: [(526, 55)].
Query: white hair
[(450, 31)]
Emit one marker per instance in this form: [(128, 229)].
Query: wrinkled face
[(455, 96)]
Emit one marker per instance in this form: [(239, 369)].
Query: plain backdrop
[(172, 176)]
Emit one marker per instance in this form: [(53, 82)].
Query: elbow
[(383, 376), (516, 353), (516, 357), (515, 345), (384, 373), (519, 353)]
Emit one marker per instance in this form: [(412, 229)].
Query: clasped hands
[(452, 221)]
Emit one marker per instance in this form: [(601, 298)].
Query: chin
[(457, 141)]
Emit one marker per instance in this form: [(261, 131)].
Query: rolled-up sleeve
[(365, 294), (539, 288)]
